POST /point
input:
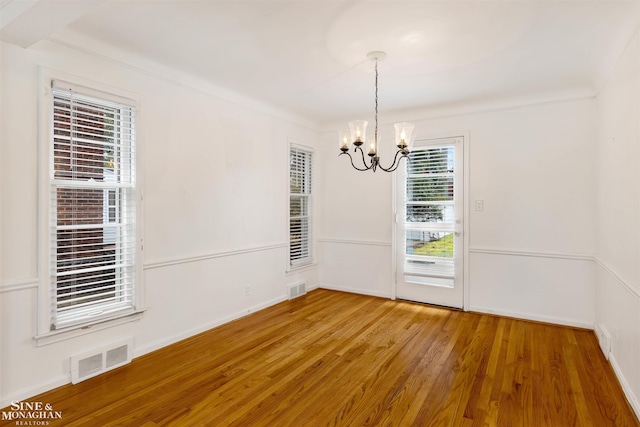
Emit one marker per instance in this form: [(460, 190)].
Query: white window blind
[(93, 230), (430, 216), (300, 201)]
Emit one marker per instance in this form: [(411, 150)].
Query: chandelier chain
[(376, 119)]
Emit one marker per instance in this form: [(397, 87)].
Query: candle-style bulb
[(403, 134), (343, 140), (373, 146), (358, 131)]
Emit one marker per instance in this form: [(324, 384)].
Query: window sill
[(76, 331), (303, 267)]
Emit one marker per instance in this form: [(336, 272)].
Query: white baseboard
[(631, 397), (29, 392), (140, 351), (516, 315), (633, 291), (312, 288), (218, 322), (534, 317), (355, 291)]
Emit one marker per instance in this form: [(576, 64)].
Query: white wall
[(531, 249), (215, 178), (618, 218)]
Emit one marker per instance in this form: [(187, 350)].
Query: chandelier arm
[(398, 165), (403, 157), (374, 161), (393, 166), (364, 161), (352, 164)]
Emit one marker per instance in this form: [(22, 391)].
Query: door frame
[(465, 209)]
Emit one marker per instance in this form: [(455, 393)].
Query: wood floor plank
[(599, 383), (335, 405), (337, 359)]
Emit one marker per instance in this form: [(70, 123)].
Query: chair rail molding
[(535, 254), (19, 284), (195, 258)]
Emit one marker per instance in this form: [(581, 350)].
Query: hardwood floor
[(332, 358)]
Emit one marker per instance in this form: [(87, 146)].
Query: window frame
[(109, 204), (46, 332), (293, 264)]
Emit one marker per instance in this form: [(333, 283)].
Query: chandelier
[(356, 135)]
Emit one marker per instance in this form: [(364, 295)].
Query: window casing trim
[(45, 237), (96, 325), (309, 260)]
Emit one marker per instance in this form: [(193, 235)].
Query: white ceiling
[(309, 56)]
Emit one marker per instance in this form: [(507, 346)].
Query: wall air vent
[(91, 363), (297, 290)]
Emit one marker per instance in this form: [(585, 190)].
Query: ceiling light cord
[(376, 118)]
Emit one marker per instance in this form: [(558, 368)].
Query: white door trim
[(465, 208)]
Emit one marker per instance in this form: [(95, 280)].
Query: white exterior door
[(429, 225)]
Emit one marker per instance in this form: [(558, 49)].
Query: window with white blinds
[(430, 215), (92, 207), (300, 202)]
